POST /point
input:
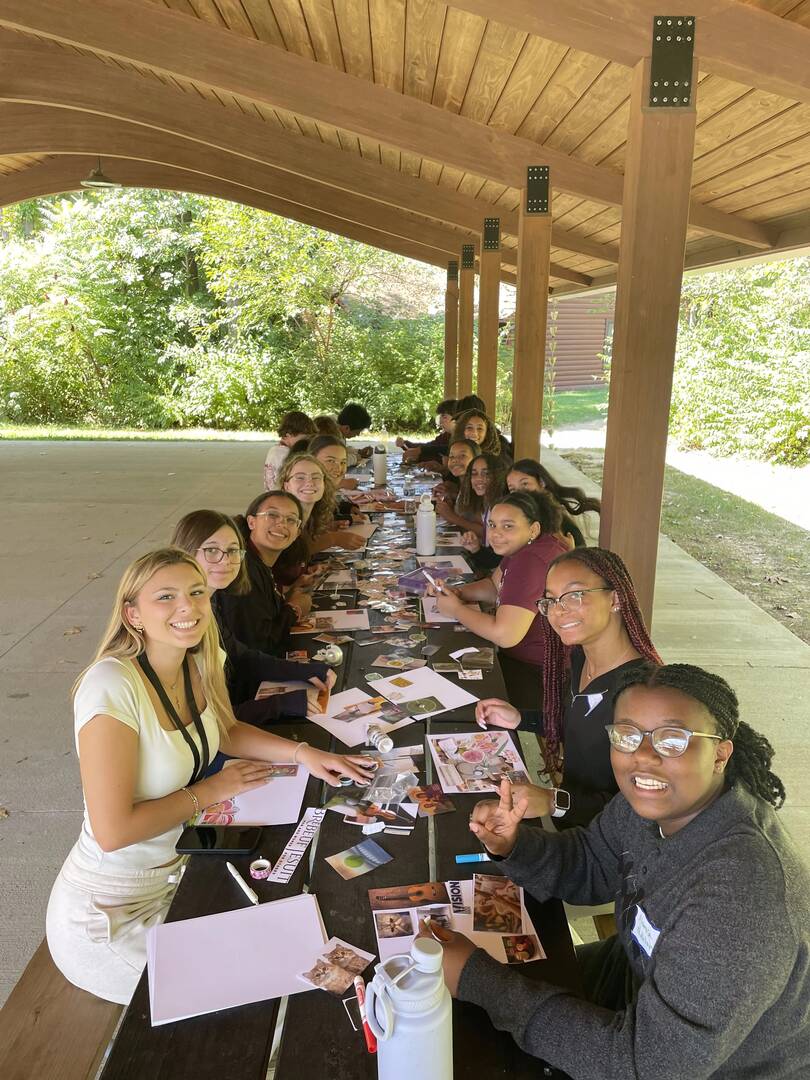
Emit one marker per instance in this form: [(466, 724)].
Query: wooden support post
[(489, 282), (466, 300), (658, 173), (451, 331), (534, 249)]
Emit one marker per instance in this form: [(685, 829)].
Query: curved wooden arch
[(64, 173)]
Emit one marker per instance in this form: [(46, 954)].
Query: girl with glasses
[(521, 531), (592, 631), (213, 539), (150, 713), (712, 903)]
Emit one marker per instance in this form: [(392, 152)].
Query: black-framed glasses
[(276, 518), (216, 555), (668, 741), (568, 601)]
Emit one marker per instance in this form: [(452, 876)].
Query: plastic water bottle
[(410, 1012), (425, 527), (380, 464)]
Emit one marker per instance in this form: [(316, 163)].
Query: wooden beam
[(65, 173), (451, 331), (488, 311), (660, 148), (466, 316), (734, 40), (178, 45), (188, 48), (531, 313), (36, 72)]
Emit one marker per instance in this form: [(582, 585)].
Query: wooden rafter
[(734, 40), (40, 129), (177, 45), (65, 172), (34, 72)]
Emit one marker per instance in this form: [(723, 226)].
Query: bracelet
[(300, 746), (193, 798)]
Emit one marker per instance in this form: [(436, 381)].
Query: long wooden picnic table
[(316, 1035)]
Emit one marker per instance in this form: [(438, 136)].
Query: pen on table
[(360, 990), (243, 885), (479, 856)]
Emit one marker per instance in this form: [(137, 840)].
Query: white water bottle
[(425, 527), (411, 1014), (380, 465)]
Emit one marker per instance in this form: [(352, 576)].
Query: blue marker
[(480, 856)]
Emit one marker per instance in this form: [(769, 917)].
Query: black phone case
[(249, 840)]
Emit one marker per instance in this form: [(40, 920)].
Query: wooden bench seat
[(51, 1030)]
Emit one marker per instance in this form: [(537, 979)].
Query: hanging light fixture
[(97, 179)]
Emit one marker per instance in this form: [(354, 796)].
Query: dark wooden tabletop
[(317, 1038)]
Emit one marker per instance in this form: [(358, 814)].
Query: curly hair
[(556, 656), (323, 511), (572, 499), (492, 441), (750, 764)]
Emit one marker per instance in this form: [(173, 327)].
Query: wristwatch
[(560, 802)]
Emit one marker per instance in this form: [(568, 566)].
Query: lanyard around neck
[(200, 762)]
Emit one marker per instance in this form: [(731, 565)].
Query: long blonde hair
[(120, 641)]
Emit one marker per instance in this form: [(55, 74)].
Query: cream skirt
[(97, 921)]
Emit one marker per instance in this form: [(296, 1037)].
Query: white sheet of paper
[(461, 896), (433, 615), (458, 562), (366, 529), (354, 732), (191, 962), (339, 577), (424, 682), (456, 756), (278, 802), (350, 619)]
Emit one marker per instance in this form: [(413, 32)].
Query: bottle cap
[(427, 954)]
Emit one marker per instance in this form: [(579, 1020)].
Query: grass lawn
[(576, 407), (763, 556)]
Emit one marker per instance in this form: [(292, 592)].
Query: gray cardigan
[(725, 991)]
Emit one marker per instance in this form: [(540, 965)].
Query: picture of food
[(496, 905), (520, 948), (392, 924)]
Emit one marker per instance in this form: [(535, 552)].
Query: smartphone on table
[(219, 840)]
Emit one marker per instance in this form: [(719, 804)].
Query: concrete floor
[(75, 514)]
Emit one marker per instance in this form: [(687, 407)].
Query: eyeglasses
[(216, 555), (277, 518), (568, 601), (666, 741)]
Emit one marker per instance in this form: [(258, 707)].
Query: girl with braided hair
[(593, 631), (712, 903)]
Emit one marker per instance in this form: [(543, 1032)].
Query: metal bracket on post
[(452, 272), (537, 189), (673, 48), (492, 234), (468, 256)]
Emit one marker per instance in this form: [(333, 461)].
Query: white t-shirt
[(276, 456), (114, 688)]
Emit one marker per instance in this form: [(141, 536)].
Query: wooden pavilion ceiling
[(187, 96)]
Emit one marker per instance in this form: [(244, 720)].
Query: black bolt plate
[(492, 234), (537, 189), (467, 256), (673, 47), (452, 271)]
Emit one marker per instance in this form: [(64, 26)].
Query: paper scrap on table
[(398, 663), (273, 687), (457, 655), (351, 712), (339, 577), (423, 692), (298, 843), (191, 967), (476, 761), (492, 916), (449, 562), (432, 614), (365, 529), (431, 800), (317, 622), (359, 859), (450, 539), (278, 802), (334, 969)]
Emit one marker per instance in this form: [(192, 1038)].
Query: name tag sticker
[(644, 932)]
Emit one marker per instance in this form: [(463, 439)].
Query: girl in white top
[(151, 712)]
